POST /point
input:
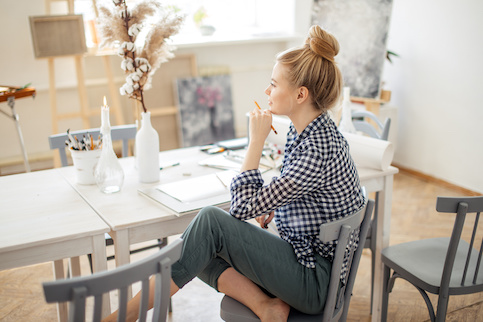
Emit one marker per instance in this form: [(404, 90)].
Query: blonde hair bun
[(322, 43)]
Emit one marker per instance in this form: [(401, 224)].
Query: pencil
[(273, 129)]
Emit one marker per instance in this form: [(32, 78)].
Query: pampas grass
[(119, 26)]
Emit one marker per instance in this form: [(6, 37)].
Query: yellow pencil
[(273, 129)]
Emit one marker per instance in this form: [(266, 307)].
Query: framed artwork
[(361, 27), (206, 109), (58, 35)]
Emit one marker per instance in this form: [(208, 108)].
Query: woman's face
[(281, 94)]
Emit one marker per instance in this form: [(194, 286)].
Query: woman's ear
[(302, 94)]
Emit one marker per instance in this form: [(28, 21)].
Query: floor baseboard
[(437, 181)]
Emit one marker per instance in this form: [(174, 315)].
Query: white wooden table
[(42, 218), (133, 218)]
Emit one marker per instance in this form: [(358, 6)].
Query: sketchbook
[(192, 194)]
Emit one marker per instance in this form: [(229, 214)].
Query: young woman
[(318, 183)]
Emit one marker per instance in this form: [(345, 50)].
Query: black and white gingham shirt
[(318, 183)]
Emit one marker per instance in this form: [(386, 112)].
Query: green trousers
[(215, 241)]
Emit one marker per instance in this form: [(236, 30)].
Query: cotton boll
[(132, 78), (134, 30), (127, 45), (139, 72), (145, 68), (126, 89), (127, 64), (121, 52), (141, 61)]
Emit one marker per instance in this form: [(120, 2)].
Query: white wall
[(434, 84)]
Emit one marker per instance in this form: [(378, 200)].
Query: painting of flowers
[(206, 109)]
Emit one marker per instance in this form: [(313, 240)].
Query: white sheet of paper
[(194, 189)]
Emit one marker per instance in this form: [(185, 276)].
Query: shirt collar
[(319, 122)]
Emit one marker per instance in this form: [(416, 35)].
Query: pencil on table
[(273, 129)]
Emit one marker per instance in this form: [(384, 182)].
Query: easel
[(10, 96), (373, 104), (85, 112)]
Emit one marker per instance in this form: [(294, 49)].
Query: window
[(231, 18)]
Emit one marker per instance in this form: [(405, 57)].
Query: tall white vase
[(147, 150)]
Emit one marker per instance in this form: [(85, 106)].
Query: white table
[(42, 218), (133, 218)]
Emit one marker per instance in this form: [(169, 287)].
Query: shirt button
[(249, 207)]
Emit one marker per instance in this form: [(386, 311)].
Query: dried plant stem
[(140, 96)]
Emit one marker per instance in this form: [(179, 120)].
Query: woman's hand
[(265, 221), (260, 124)]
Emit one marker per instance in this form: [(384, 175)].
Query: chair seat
[(421, 262), (234, 311)]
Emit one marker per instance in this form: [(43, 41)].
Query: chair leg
[(385, 293), (373, 245), (89, 256), (442, 308)]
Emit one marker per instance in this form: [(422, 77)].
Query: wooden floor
[(413, 217)]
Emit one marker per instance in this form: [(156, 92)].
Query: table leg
[(121, 250), (99, 263), (382, 241), (58, 267), (75, 266)]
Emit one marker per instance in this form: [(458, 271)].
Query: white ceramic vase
[(147, 150), (346, 124)]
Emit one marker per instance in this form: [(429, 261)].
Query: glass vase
[(147, 151), (108, 174)]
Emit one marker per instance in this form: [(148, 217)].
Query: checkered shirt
[(319, 183)]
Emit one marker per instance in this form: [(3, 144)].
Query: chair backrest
[(77, 289), (337, 303), (461, 206), (382, 131), (119, 132)]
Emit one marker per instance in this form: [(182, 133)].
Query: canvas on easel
[(61, 35), (361, 28), (206, 109)]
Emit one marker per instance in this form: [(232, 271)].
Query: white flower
[(127, 64), (139, 72), (129, 46), (134, 30)]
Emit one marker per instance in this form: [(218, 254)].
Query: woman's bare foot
[(275, 310)]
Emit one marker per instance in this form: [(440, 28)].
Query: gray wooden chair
[(337, 304), (119, 132), (76, 290), (443, 266), (380, 131)]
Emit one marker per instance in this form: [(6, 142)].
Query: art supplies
[(87, 143)]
